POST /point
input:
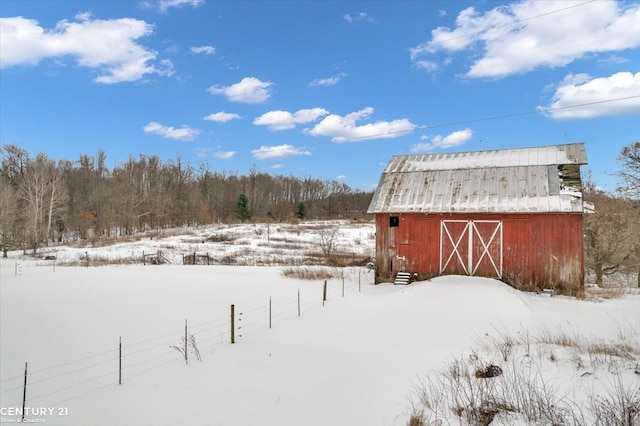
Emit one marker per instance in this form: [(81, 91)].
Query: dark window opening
[(394, 221)]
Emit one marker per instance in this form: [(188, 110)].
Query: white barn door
[(471, 247)]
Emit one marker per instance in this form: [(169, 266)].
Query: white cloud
[(454, 139), (249, 90), (184, 133), (283, 120), (344, 129), (442, 13), (522, 36), (330, 81), (358, 17), (207, 50), (164, 5), (224, 155), (202, 152), (277, 152), (108, 46), (592, 94), (428, 66), (221, 117), (277, 166)]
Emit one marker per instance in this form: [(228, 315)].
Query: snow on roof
[(508, 181)]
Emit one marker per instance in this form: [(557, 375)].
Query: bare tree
[(327, 240), (611, 234), (8, 216), (44, 194), (630, 169), (630, 174)]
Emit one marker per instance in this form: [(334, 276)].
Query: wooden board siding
[(538, 250)]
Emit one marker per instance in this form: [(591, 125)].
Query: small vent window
[(394, 221)]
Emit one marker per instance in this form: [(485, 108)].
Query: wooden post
[(24, 392), (186, 346), (324, 292), (343, 284), (144, 259), (298, 302), (120, 362), (269, 311), (233, 325)]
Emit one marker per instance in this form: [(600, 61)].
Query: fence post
[(24, 392), (324, 292), (120, 362), (269, 311), (233, 325), (144, 259), (343, 283), (298, 302)]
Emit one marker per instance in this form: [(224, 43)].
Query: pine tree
[(243, 212), (301, 211)]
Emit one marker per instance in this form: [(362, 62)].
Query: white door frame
[(469, 264)]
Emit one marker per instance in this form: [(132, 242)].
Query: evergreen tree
[(301, 211), (243, 212)]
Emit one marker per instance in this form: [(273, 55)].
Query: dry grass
[(312, 273), (522, 393), (94, 260)]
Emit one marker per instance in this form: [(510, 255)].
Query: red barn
[(512, 214)]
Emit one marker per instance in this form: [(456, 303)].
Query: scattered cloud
[(277, 152), (221, 117), (184, 133), (207, 50), (224, 155), (428, 66), (358, 17), (454, 139), (277, 166), (592, 96), (202, 152), (342, 177), (107, 46), (513, 40), (344, 128), (164, 5), (330, 81), (284, 120), (442, 13), (249, 90)]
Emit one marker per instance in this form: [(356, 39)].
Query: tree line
[(44, 201), (612, 232)]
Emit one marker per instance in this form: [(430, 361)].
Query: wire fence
[(63, 382)]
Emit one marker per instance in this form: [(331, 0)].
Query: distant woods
[(42, 200)]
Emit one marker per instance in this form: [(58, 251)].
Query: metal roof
[(510, 181)]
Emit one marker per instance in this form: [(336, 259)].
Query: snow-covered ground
[(354, 361)]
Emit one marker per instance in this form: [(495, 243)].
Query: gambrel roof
[(527, 180)]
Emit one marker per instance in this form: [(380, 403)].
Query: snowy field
[(357, 360)]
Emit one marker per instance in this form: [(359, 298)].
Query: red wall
[(538, 250)]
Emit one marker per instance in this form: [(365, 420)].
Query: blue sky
[(324, 89)]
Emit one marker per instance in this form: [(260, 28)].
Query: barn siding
[(538, 250)]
